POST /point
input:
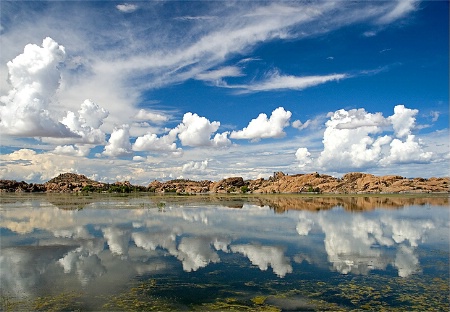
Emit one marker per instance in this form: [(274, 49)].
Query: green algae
[(139, 298), (60, 302), (357, 293), (259, 300), (235, 304)]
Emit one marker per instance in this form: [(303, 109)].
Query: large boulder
[(228, 185)]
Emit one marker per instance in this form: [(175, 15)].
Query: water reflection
[(105, 242), (359, 243)]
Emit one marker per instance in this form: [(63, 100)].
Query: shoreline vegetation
[(279, 183)]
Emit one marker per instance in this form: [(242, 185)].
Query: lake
[(215, 253)]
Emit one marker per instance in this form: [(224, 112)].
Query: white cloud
[(92, 114), (403, 120), (138, 158), (196, 131), (370, 33), (194, 18), (409, 151), (353, 145), (304, 224), (355, 139), (297, 124), (119, 142), (349, 242), (434, 115), (72, 150), (217, 74), (118, 240), (221, 140), (86, 125), (303, 157), (276, 82), (263, 127), (127, 7), (194, 166), (29, 165), (265, 256), (151, 142), (195, 253), (406, 261), (29, 107), (34, 77), (146, 115), (401, 8)]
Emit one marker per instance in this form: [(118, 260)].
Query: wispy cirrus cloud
[(400, 9), (279, 82), (217, 74)]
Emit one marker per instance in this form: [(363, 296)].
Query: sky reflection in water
[(49, 247)]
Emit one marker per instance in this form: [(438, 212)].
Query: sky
[(204, 90)]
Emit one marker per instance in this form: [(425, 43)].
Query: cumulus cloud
[(86, 124), (221, 140), (34, 77), (151, 142), (196, 131), (409, 151), (303, 157), (355, 139), (194, 166), (28, 109), (29, 165), (263, 127), (119, 142), (72, 150), (403, 120), (348, 140)]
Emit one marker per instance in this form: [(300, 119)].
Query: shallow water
[(267, 253)]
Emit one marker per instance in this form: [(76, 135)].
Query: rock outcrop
[(71, 182), (350, 183), (19, 187), (229, 185), (180, 186)]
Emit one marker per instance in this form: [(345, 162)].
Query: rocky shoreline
[(311, 183)]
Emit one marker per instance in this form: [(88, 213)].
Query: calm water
[(202, 253)]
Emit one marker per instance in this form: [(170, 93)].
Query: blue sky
[(210, 89)]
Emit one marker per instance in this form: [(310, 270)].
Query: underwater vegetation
[(351, 293), (61, 302)]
